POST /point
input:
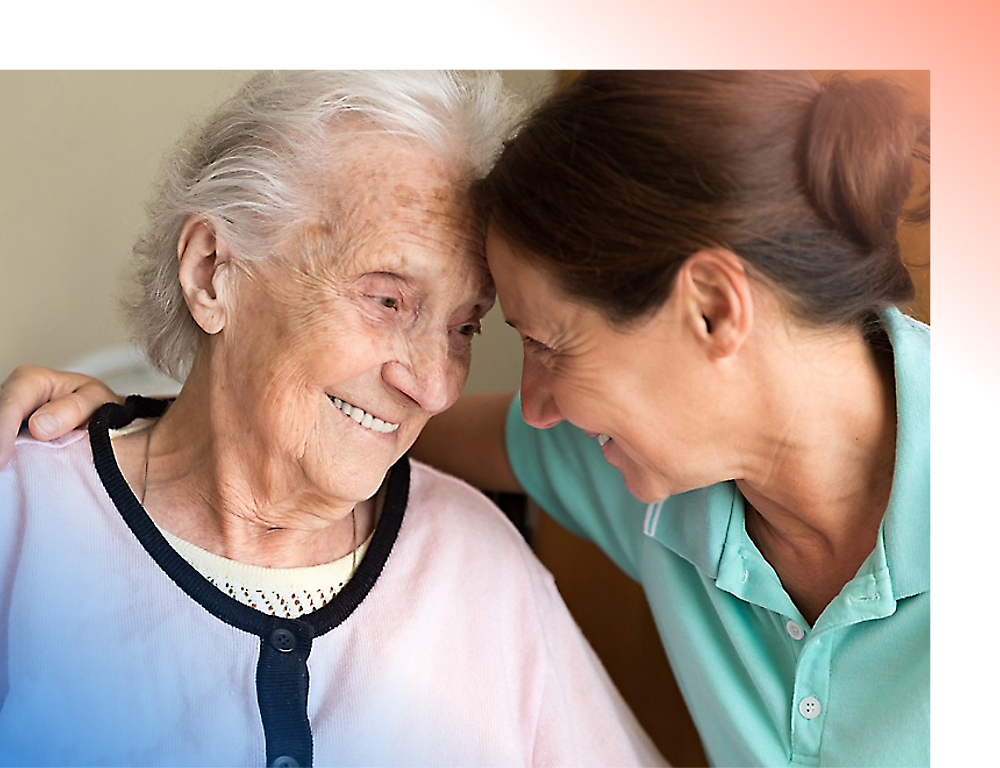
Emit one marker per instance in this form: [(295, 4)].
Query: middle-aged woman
[(718, 389), (260, 575)]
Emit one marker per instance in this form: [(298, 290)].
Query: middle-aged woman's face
[(342, 359), (622, 387)]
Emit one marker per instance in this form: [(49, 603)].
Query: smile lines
[(364, 418)]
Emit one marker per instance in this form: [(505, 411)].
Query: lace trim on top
[(285, 592)]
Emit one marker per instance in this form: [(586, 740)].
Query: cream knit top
[(285, 592)]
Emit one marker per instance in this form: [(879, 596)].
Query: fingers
[(21, 392), (67, 400), (69, 411)]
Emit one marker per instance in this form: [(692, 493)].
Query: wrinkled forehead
[(421, 206), (391, 204)]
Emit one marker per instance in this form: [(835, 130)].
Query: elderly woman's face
[(345, 347)]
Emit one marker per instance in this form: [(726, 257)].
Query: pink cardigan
[(454, 648)]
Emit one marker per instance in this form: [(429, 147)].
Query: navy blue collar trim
[(212, 599)]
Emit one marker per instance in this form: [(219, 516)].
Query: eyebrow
[(485, 298), (479, 301), (481, 305)]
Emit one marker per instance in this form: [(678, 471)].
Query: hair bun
[(859, 151)]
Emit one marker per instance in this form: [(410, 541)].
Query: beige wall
[(79, 151)]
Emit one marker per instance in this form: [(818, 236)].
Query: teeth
[(364, 419), (602, 439)]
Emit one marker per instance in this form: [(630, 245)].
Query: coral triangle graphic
[(640, 33)]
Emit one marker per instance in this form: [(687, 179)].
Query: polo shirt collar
[(907, 523)]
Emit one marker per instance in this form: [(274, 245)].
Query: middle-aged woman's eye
[(535, 345)]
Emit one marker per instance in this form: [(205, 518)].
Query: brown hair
[(619, 177)]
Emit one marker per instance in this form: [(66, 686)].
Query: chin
[(353, 481), (369, 489), (648, 497), (643, 481), (646, 489)]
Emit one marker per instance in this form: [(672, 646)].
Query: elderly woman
[(257, 574)]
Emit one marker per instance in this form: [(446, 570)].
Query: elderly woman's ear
[(204, 271)]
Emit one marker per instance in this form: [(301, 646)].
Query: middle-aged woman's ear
[(716, 300), (203, 263)]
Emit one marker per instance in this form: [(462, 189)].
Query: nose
[(538, 404), (427, 375)]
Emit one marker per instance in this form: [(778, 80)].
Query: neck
[(818, 482), (211, 481)]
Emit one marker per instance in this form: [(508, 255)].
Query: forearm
[(467, 441)]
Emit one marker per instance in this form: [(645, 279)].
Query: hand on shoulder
[(55, 401)]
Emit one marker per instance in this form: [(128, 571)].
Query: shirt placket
[(810, 694), (867, 597)]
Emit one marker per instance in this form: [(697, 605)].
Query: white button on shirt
[(794, 630), (810, 708)]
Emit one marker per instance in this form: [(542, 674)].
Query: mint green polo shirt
[(763, 687)]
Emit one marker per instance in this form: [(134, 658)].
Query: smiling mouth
[(364, 418)]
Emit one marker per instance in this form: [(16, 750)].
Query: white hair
[(244, 169)]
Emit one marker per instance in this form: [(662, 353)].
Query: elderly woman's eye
[(470, 329), (389, 302)]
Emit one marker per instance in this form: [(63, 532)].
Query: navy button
[(284, 761), (284, 641)]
